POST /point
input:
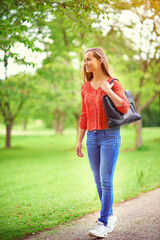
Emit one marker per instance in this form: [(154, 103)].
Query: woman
[(103, 143)]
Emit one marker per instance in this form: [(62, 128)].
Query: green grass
[(43, 183)]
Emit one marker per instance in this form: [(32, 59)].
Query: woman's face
[(91, 63)]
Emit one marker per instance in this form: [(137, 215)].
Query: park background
[(43, 183)]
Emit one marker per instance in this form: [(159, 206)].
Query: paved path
[(139, 219)]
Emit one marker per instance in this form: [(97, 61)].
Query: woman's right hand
[(78, 150)]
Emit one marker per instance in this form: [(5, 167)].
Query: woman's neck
[(99, 77)]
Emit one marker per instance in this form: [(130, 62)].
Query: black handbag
[(117, 118)]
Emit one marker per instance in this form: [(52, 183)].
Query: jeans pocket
[(109, 135), (109, 140), (90, 138)]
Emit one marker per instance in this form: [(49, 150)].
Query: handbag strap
[(113, 80)]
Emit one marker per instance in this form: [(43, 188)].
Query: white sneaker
[(112, 221), (99, 231)]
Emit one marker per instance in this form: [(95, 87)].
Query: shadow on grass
[(156, 140), (12, 148), (143, 148)]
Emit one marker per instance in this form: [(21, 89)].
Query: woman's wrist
[(115, 99), (109, 92)]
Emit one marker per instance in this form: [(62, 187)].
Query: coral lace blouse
[(93, 116)]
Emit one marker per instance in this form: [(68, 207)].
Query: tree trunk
[(8, 134), (61, 123), (138, 126), (24, 125), (56, 124), (56, 113)]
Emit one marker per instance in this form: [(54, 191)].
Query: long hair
[(99, 54)]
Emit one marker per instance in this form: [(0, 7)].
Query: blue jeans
[(103, 149)]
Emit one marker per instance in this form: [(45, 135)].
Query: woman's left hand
[(106, 87)]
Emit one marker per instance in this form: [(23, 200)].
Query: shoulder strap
[(113, 80)]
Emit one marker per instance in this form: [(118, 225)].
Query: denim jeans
[(103, 149)]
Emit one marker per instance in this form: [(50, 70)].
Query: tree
[(144, 64), (19, 23), (58, 74), (14, 91), (57, 92)]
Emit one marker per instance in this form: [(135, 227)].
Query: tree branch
[(149, 102), (18, 109), (137, 96), (2, 110)]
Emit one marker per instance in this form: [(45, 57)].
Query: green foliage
[(57, 84), (14, 91), (151, 115), (16, 21), (68, 24), (17, 18)]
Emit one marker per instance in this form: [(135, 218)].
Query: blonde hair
[(99, 54)]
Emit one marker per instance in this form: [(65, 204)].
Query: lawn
[(43, 183)]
